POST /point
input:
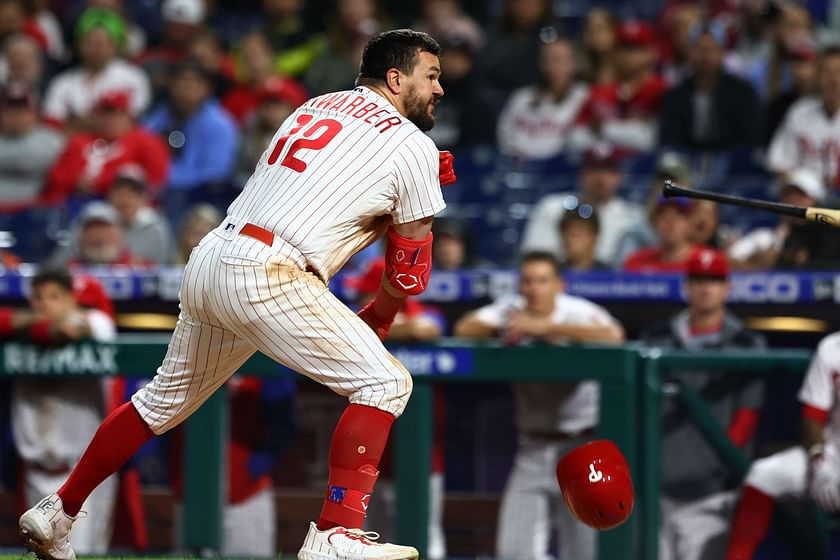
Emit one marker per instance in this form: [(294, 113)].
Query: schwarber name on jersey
[(821, 388), (339, 170)]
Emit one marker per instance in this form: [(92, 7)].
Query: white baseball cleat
[(45, 529), (351, 544)]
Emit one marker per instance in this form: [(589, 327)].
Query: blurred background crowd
[(161, 110), (126, 128)]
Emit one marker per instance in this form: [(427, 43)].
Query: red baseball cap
[(596, 484), (113, 101), (89, 292), (634, 33), (601, 155), (368, 281), (284, 90), (705, 262)]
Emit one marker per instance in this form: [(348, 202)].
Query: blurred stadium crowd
[(126, 128)]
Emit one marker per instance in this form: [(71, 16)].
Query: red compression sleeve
[(743, 426)]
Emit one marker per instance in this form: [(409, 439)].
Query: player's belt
[(261, 234), (258, 233)]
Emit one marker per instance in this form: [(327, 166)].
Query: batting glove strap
[(408, 262)]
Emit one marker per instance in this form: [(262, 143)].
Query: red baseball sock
[(752, 519), (359, 439), (119, 437)]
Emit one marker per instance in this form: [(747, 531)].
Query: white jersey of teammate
[(567, 408), (808, 137), (380, 166), (785, 474), (821, 388), (52, 423)]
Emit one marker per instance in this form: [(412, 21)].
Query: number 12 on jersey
[(315, 137)]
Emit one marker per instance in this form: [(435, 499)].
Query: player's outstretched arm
[(408, 263)]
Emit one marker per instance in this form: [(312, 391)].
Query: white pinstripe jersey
[(821, 388), (339, 170)]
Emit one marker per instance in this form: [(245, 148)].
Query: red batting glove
[(447, 172), (380, 312)]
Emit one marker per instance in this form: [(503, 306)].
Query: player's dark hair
[(398, 49), (540, 256), (58, 276), (577, 216)]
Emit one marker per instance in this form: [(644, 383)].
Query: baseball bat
[(826, 216)]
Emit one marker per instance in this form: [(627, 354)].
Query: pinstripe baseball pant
[(238, 296)]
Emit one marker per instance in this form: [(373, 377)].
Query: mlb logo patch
[(336, 494)]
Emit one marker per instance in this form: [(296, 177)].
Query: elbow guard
[(408, 263)]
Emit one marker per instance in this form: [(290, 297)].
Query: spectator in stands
[(623, 111), (294, 43), (536, 119), (671, 220), (771, 74), (711, 109), (100, 34), (579, 234), (808, 134), (705, 227), (415, 322), (697, 497), (461, 117), (442, 18), (676, 26), (256, 69), (196, 223), (793, 243), (669, 166), (450, 250), (276, 100), (551, 418), (27, 148), (12, 18), (209, 50), (600, 177), (23, 63), (101, 239), (203, 139), (509, 59), (90, 161), (146, 232), (809, 470), (598, 48), (182, 20), (349, 27), (53, 419), (803, 72)]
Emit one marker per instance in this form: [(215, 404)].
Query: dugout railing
[(630, 379)]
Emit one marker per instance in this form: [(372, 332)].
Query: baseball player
[(53, 419), (552, 418), (810, 470), (343, 170)]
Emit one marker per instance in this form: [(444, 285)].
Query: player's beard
[(417, 110)]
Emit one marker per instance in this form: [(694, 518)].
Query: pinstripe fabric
[(238, 297)]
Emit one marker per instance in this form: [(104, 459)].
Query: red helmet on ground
[(596, 484)]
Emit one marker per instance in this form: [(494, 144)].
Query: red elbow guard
[(408, 263)]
